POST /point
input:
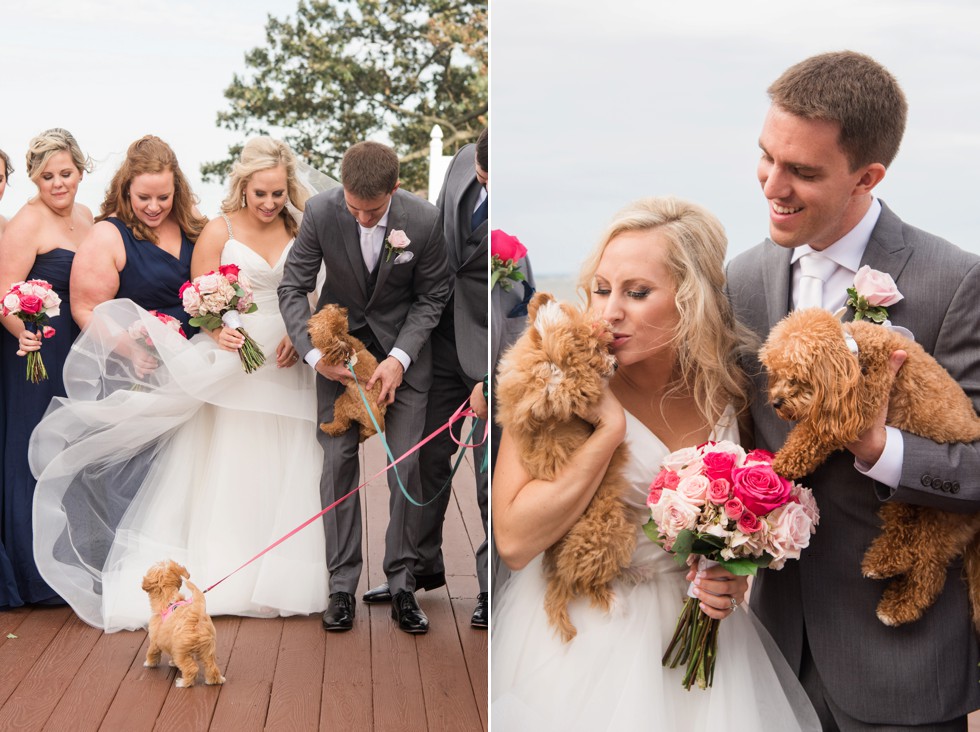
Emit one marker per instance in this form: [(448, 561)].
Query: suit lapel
[(397, 219), (350, 233), (776, 279), (886, 251)]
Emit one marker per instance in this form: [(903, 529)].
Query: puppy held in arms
[(832, 379), (552, 376), (180, 626), (328, 333)]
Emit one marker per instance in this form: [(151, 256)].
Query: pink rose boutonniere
[(505, 252), (872, 294), (397, 242)]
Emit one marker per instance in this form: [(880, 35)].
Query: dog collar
[(852, 345), (164, 614), (352, 361)]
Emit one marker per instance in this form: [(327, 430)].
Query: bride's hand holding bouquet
[(218, 300), (727, 508)]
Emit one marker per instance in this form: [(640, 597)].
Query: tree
[(343, 71)]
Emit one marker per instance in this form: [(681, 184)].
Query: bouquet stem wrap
[(250, 353), (36, 372)]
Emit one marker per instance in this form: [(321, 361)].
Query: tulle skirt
[(196, 462), (610, 677)]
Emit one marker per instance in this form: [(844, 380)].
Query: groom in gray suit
[(834, 126), (459, 357), (394, 297)]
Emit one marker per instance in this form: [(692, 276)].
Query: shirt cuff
[(403, 358), (888, 469), (313, 357)]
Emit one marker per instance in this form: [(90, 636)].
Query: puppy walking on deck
[(180, 626)]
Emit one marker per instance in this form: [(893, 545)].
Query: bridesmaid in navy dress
[(141, 246), (39, 242)]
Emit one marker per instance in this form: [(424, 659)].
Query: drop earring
[(243, 199)]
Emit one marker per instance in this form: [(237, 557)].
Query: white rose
[(12, 302), (694, 489), (684, 462), (789, 531), (676, 514)]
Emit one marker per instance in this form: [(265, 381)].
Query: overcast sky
[(594, 104), (111, 71)]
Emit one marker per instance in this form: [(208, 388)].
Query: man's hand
[(334, 373), (389, 373), (869, 446), (477, 402)]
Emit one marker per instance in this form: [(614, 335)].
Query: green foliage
[(343, 71)]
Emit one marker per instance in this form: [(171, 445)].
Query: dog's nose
[(777, 403)]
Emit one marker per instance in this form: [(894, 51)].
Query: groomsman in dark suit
[(394, 297), (459, 358), (833, 128)]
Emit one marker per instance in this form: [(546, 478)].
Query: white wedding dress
[(610, 677), (198, 462)]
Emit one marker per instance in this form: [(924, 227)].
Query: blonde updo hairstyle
[(263, 153), (708, 341), (150, 154), (42, 147)]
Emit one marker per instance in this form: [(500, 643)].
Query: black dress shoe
[(339, 614), (405, 609), (381, 593), (481, 616)]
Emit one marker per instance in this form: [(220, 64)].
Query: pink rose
[(47, 332), (878, 288), (734, 509), (759, 488), (673, 514), (749, 523), (665, 480), (719, 491), (191, 299), (694, 489), (505, 246), (398, 239), (230, 271), (759, 456), (11, 303), (789, 531), (805, 498), (719, 465), (31, 304), (686, 461)]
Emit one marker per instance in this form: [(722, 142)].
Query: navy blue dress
[(21, 408), (152, 277)]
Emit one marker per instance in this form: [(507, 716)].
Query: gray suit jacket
[(407, 298), (918, 673), (467, 251)]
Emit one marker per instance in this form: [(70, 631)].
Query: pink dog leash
[(461, 413)]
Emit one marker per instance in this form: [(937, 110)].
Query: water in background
[(562, 286)]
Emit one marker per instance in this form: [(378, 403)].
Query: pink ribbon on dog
[(462, 412), (165, 613)]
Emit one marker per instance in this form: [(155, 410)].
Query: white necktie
[(815, 270), (367, 247)]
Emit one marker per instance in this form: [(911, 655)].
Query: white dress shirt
[(847, 252)]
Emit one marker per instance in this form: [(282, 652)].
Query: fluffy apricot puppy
[(832, 380), (328, 332), (179, 626), (548, 379)]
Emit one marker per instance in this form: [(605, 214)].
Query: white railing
[(438, 163)]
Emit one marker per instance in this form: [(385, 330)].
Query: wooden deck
[(57, 673)]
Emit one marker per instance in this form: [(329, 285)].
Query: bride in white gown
[(196, 461), (657, 279)]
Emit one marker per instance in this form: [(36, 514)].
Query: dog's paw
[(150, 664), (219, 680), (180, 683)]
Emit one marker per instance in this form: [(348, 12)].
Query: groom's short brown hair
[(853, 90), (369, 170)]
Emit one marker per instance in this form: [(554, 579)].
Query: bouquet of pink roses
[(221, 297), (729, 507), (505, 252), (34, 302), (138, 332)]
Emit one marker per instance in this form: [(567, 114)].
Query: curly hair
[(150, 154), (708, 340), (263, 153), (7, 167)]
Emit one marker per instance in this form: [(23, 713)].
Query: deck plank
[(297, 685), (243, 706), (35, 631)]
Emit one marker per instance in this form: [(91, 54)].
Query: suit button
[(926, 480), (937, 484), (947, 486), (955, 488)]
